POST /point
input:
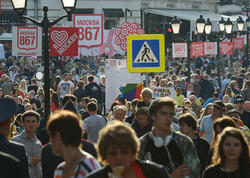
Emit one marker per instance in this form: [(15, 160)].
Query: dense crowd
[(201, 131)]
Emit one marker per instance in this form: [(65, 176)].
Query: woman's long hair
[(244, 159)]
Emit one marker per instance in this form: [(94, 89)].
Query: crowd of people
[(201, 131)]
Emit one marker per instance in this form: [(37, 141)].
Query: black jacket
[(206, 90), (17, 150), (202, 148), (10, 167), (149, 169), (93, 91)]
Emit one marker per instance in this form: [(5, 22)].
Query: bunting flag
[(131, 91)]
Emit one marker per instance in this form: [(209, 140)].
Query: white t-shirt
[(65, 87)]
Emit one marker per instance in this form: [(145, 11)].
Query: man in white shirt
[(65, 86)]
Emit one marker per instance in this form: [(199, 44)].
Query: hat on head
[(8, 108), (239, 100)]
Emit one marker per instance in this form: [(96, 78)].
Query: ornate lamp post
[(68, 5)]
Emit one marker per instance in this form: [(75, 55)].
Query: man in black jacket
[(207, 88), (8, 108), (93, 90)]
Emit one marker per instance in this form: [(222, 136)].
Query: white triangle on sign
[(145, 55)]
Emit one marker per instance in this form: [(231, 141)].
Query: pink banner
[(179, 50), (226, 48), (210, 48), (197, 49), (238, 43)]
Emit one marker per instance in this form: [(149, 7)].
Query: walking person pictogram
[(145, 52)]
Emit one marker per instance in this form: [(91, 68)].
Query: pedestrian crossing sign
[(145, 53)]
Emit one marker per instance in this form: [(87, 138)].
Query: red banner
[(197, 49), (63, 41), (238, 43), (226, 48), (210, 48)]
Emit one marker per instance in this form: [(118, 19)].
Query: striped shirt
[(84, 167)]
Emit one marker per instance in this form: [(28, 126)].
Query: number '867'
[(88, 33), (27, 40)]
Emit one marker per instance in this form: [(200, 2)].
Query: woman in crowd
[(230, 93), (118, 147), (23, 86), (65, 130), (231, 158), (207, 111), (40, 94)]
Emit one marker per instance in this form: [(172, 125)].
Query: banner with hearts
[(63, 41), (197, 49), (226, 48)]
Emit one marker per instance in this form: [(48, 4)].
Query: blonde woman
[(23, 86)]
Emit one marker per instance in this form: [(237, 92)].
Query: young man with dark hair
[(142, 123), (94, 123), (188, 127), (31, 121), (165, 146)]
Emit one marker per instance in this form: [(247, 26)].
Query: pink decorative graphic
[(226, 48), (108, 48), (125, 30)]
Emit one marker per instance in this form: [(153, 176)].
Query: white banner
[(210, 48), (90, 29), (26, 41), (179, 50), (117, 76)]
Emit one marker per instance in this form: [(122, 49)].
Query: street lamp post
[(248, 29), (175, 24), (68, 5)]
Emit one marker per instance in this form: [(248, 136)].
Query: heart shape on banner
[(59, 37)]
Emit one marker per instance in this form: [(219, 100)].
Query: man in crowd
[(167, 147), (8, 108), (206, 127), (195, 107), (94, 123), (188, 126), (31, 121), (65, 86)]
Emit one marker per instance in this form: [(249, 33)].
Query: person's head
[(246, 84), (68, 97), (229, 91), (232, 145), (247, 106), (31, 94), (239, 104), (234, 114), (30, 121), (120, 112), (92, 107), (219, 125), (91, 78), (218, 109), (142, 116), (226, 98), (84, 102), (102, 80), (133, 105), (178, 91), (65, 129), (216, 96), (187, 124), (1, 93), (162, 111), (8, 108), (40, 92), (188, 104), (65, 76), (193, 99), (117, 145), (147, 94), (23, 84), (27, 107), (33, 81)]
